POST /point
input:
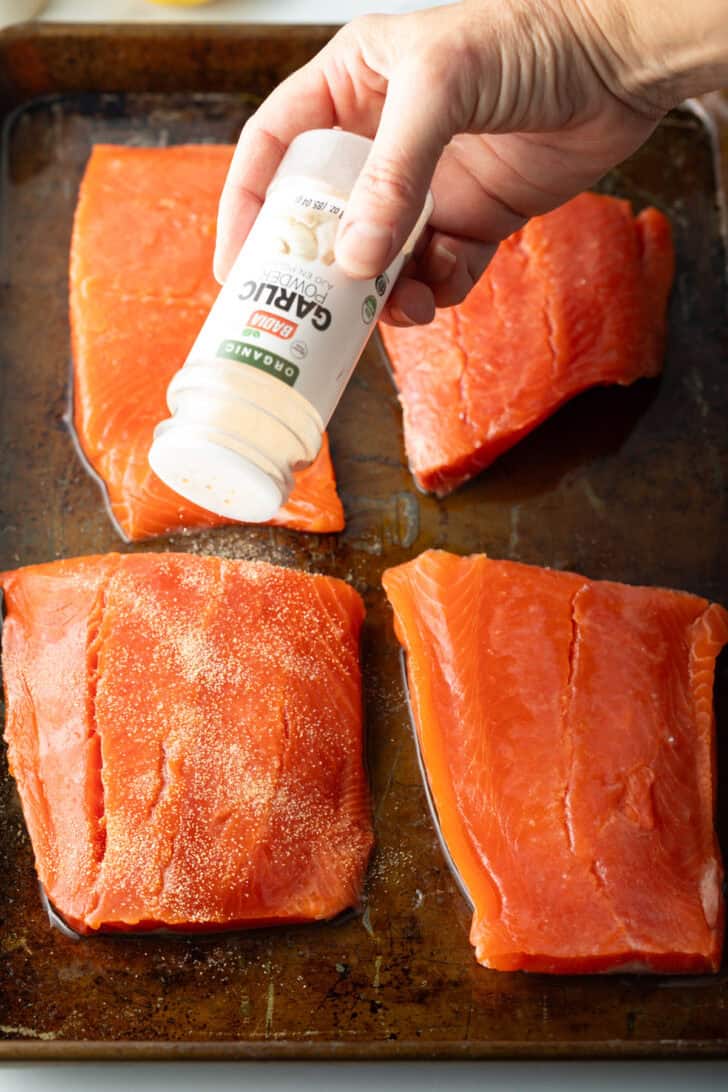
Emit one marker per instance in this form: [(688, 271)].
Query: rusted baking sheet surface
[(625, 484)]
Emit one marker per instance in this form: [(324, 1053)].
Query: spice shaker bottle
[(271, 361)]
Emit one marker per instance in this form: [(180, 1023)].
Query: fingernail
[(399, 316), (442, 263), (363, 248), (445, 253)]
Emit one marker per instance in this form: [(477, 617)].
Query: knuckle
[(369, 23), (433, 65), (449, 74), (359, 30), (384, 180)]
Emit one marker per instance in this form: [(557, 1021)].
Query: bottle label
[(286, 308)]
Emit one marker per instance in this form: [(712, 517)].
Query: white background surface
[(369, 1077), (228, 11), (331, 1077)]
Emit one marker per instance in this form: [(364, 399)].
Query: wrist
[(656, 53)]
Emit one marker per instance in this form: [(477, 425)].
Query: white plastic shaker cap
[(214, 477)]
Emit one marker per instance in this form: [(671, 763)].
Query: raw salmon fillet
[(576, 298), (566, 729), (186, 736), (141, 286)]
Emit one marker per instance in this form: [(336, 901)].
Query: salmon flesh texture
[(576, 298), (141, 286), (186, 737), (566, 729)]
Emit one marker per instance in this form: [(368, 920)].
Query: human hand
[(504, 108)]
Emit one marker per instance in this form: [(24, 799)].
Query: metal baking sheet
[(620, 484)]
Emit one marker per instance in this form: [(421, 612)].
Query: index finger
[(301, 102)]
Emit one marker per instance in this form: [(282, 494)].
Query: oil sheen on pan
[(575, 299), (567, 734), (141, 286), (186, 736)]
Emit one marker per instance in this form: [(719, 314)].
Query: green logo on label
[(368, 309), (253, 355)]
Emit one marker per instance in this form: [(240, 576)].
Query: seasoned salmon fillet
[(141, 285), (186, 737), (576, 298), (566, 729)]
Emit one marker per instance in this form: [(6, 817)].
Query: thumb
[(391, 190)]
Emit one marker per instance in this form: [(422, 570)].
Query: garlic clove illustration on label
[(310, 218), (308, 235), (326, 237), (279, 229), (302, 242)]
